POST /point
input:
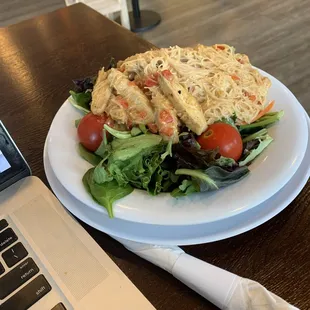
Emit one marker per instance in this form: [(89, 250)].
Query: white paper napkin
[(224, 289)]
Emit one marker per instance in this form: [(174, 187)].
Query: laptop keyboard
[(3, 224), (29, 294), (17, 276), (14, 254), (7, 237), (22, 269)]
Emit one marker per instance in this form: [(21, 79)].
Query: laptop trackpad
[(77, 268)]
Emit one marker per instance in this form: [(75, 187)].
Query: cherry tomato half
[(90, 130), (222, 136)]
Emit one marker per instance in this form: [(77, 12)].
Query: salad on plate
[(174, 120)]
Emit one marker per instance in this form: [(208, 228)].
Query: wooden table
[(38, 59)]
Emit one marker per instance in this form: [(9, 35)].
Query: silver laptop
[(47, 260)]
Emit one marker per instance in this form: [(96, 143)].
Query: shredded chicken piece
[(187, 107), (139, 108), (116, 108), (165, 116), (101, 93)]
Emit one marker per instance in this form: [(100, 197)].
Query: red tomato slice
[(152, 127), (150, 83), (224, 137), (142, 114), (122, 102), (167, 131), (152, 80), (165, 117), (167, 74), (90, 130)]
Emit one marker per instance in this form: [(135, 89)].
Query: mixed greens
[(137, 158)]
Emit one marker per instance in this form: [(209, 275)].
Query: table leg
[(141, 20)]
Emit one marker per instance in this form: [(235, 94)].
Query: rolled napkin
[(224, 289)]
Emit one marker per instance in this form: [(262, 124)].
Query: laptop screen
[(13, 166), (4, 164)]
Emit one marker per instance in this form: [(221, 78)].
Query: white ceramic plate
[(183, 235), (269, 173)]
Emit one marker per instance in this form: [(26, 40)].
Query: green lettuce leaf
[(225, 162), (201, 177), (105, 194), (256, 135), (229, 120), (265, 121), (81, 101), (187, 187), (117, 133), (124, 149), (260, 144), (187, 154), (135, 131), (77, 122), (136, 170), (101, 175), (88, 156), (214, 177), (104, 150), (162, 181), (143, 128), (168, 151)]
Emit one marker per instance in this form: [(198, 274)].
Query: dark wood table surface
[(38, 60)]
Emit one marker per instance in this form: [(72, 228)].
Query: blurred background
[(269, 31)]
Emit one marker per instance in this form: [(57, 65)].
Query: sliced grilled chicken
[(165, 116), (186, 106), (101, 93), (116, 109), (139, 108)]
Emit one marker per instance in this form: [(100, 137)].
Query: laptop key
[(59, 306), (3, 224), (7, 237), (14, 254), (1, 269), (17, 276), (28, 295)]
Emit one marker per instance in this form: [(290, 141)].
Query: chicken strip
[(101, 93), (165, 116), (186, 106), (139, 108), (116, 109)]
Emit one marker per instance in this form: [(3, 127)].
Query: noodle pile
[(222, 81)]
